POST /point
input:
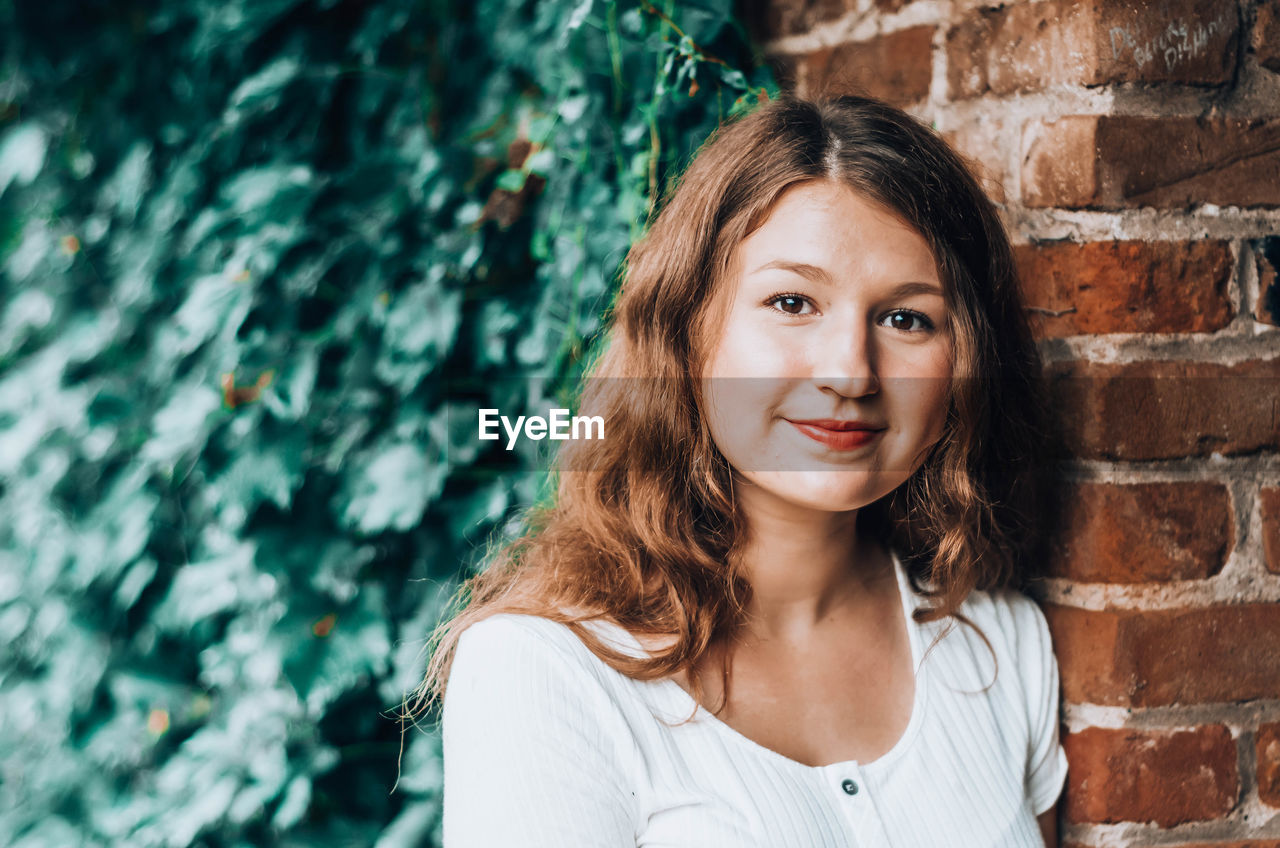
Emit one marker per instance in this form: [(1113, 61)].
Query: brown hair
[(645, 534)]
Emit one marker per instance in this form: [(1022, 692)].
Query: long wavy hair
[(643, 529)]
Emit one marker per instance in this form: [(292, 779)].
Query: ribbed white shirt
[(545, 745)]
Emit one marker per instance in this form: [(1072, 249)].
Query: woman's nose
[(847, 363)]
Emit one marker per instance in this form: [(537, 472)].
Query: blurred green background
[(259, 262)]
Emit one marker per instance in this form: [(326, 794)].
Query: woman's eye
[(902, 319), (791, 304)]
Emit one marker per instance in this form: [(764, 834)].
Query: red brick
[(1124, 161), (1166, 409), (1168, 777), (1266, 253), (1016, 48), (1248, 843), (1059, 165), (1268, 751), (1152, 658), (1127, 286), (897, 67), (1190, 41), (1266, 35), (777, 18), (1134, 533), (1270, 503), (1030, 46), (980, 143)]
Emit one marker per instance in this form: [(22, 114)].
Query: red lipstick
[(841, 435)]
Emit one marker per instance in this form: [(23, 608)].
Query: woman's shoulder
[(526, 662), (1016, 628), (528, 625), (536, 671), (506, 639), (508, 624), (1012, 612), (1003, 613), (1019, 632), (506, 634), (522, 702)]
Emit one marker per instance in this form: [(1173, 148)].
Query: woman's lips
[(838, 435)]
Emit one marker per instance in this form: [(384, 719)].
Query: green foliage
[(259, 260)]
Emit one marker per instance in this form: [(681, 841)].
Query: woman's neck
[(805, 566)]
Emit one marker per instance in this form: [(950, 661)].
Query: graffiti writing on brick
[(1178, 42)]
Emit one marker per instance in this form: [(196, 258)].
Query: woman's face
[(827, 382)]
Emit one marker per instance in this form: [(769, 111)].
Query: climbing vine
[(259, 262)]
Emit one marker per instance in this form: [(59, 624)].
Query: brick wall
[(1135, 151)]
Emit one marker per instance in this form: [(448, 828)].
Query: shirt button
[(849, 787)]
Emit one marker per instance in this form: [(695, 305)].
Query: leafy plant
[(260, 262)]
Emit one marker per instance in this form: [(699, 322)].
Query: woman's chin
[(826, 491)]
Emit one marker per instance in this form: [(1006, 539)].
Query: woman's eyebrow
[(804, 269), (820, 275), (916, 287)]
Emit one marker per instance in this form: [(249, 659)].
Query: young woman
[(737, 625)]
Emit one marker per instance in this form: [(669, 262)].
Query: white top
[(545, 745)]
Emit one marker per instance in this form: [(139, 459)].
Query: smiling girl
[(780, 605)]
